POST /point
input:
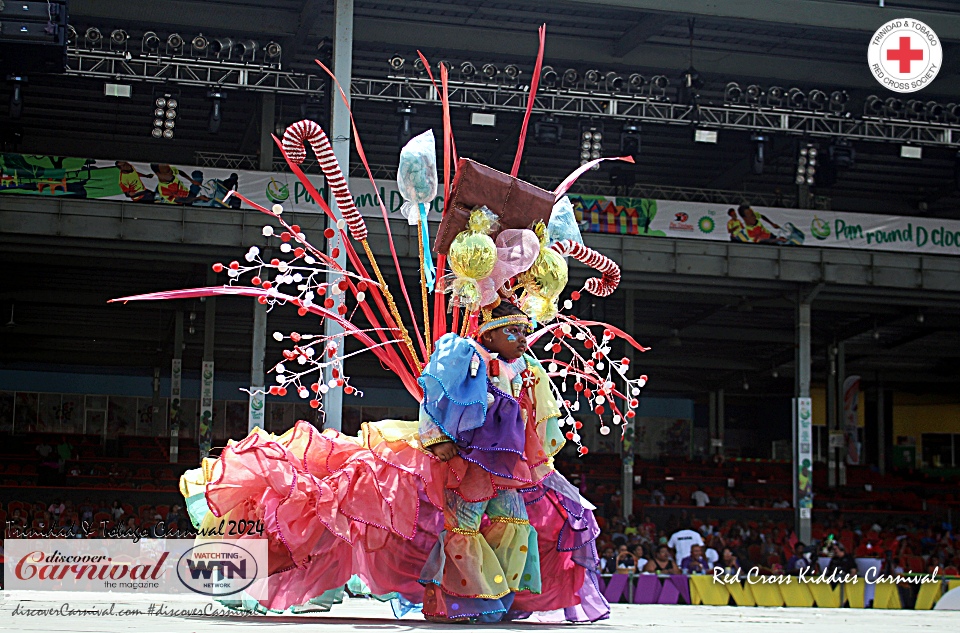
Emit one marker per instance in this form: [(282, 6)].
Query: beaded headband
[(504, 321)]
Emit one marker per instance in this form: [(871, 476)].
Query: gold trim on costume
[(513, 520)]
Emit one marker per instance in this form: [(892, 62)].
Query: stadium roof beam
[(201, 16), (646, 27), (812, 13), (309, 16), (563, 48)]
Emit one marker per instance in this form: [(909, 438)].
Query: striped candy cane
[(610, 272), (309, 132)]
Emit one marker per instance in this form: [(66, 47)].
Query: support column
[(176, 375), (340, 139), (627, 447), (712, 423), (258, 397), (881, 431), (268, 117), (256, 405), (832, 417), (721, 417), (205, 428), (841, 418), (802, 429)]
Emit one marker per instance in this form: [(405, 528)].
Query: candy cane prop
[(294, 139), (610, 272)]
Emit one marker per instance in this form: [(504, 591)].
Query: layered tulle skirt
[(367, 513)]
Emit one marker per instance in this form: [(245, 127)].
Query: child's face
[(509, 342)]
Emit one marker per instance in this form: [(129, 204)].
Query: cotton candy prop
[(417, 180), (563, 223), (472, 257)]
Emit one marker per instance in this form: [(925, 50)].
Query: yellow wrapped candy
[(544, 281), (548, 275), (472, 256), (540, 309)]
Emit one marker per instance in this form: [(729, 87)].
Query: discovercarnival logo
[(216, 568)]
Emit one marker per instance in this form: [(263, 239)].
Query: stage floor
[(358, 615)]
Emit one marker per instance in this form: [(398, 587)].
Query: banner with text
[(764, 225), (162, 183)]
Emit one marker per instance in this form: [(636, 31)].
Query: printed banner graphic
[(215, 567), (206, 408), (802, 410), (160, 183)]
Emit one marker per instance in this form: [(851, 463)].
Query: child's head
[(732, 213), (504, 331), (125, 167)]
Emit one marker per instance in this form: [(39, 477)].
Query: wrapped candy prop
[(472, 257), (517, 249), (563, 223), (417, 180), (544, 281)]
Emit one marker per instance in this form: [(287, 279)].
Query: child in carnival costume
[(460, 513), (487, 402)]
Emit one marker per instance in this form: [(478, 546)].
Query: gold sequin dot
[(498, 578), (464, 582), (553, 442), (515, 576), (523, 548), (526, 576), (458, 556)]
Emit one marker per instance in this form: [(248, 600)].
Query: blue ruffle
[(454, 400)]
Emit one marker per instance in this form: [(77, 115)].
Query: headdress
[(490, 322), (498, 249)]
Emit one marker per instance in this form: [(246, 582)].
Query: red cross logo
[(905, 55)]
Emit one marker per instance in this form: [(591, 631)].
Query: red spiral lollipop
[(610, 272), (309, 132)]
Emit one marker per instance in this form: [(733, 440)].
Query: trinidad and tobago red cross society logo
[(905, 55)]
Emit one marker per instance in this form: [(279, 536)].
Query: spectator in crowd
[(700, 498), (626, 563), (640, 556), (728, 562), (56, 509), (798, 561), (662, 562), (608, 562), (17, 519), (116, 510), (681, 542), (43, 450), (86, 511), (842, 561), (657, 498), (64, 452), (696, 562), (173, 517), (712, 553)]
